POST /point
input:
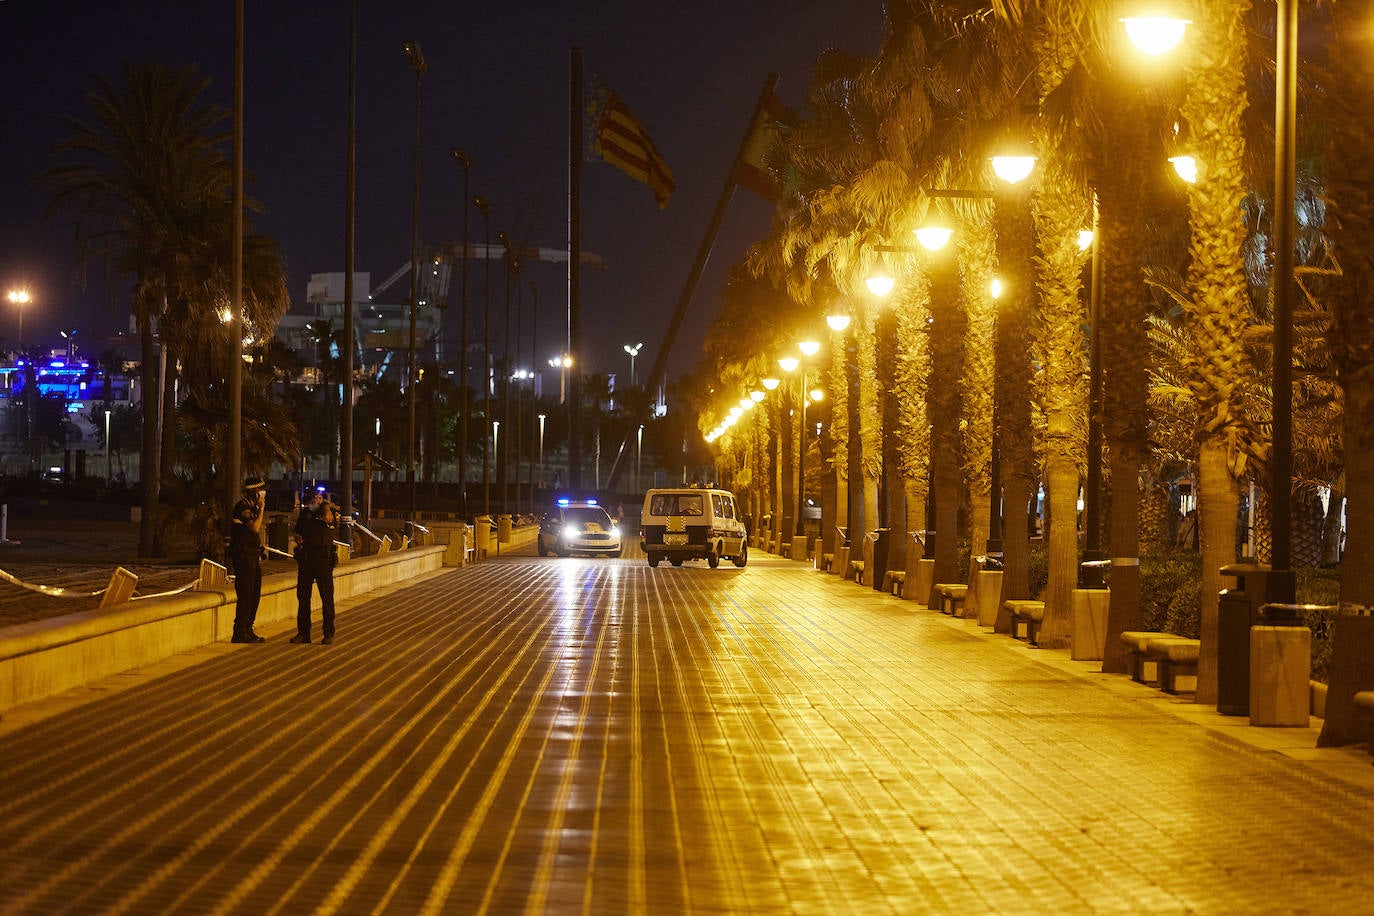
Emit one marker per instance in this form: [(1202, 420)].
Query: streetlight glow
[(809, 347), (771, 383), (757, 396), (1013, 169), (837, 322), (1186, 167), (1085, 239), (880, 284), (788, 364), (995, 288), (1155, 35)]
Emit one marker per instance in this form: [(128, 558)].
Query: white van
[(693, 523)]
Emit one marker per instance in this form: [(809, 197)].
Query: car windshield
[(582, 515), (676, 504)]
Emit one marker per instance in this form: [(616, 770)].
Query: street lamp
[(464, 163), (417, 63), (542, 417), (809, 348), (484, 207), (633, 351), (502, 459), (19, 298)]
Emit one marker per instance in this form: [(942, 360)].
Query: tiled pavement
[(595, 736)]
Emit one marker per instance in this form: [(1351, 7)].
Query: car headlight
[(570, 532), (615, 531)]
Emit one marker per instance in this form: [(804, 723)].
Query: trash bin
[(481, 536), (503, 528), (1237, 611), (278, 533), (880, 550), (1281, 666)]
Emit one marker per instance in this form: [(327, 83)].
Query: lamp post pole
[(464, 393), (417, 63), (541, 448), (1281, 585), (484, 207), (502, 456)]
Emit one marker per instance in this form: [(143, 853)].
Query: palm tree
[(138, 178), (1217, 303)]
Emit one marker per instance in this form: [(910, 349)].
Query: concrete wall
[(46, 657)]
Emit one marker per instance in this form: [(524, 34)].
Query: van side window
[(729, 506)]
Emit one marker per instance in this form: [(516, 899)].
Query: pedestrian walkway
[(594, 736)]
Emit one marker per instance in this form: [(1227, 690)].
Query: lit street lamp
[(633, 351), (417, 63), (19, 298)]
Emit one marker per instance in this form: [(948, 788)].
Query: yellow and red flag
[(615, 136)]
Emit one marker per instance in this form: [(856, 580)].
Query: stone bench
[(1026, 613), (857, 568), (952, 595), (1173, 657), (827, 561), (894, 580), (1364, 711)]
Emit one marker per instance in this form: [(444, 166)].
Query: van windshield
[(676, 504)]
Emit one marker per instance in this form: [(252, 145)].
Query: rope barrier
[(52, 591), (176, 591), (364, 530)]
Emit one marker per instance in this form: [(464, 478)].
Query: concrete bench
[(1364, 711), (827, 561), (1026, 613), (894, 580), (952, 595), (1173, 657), (857, 568)]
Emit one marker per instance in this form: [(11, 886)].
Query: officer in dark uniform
[(315, 559), (245, 550)]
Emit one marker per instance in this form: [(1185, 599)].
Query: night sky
[(497, 86)]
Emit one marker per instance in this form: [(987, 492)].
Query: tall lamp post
[(417, 63), (19, 298), (633, 350), (484, 207), (809, 348), (464, 394), (502, 462)]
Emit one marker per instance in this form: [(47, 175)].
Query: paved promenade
[(593, 736)]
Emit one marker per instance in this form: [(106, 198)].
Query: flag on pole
[(768, 130), (614, 136)]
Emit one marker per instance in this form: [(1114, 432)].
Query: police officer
[(315, 559), (245, 550)]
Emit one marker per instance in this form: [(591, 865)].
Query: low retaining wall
[(45, 657)]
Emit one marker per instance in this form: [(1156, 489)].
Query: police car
[(578, 526)]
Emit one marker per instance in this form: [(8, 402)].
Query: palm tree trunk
[(1218, 503), (168, 454), (149, 466)]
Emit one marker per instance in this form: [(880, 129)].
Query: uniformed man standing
[(315, 559), (245, 550)]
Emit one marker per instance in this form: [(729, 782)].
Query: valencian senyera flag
[(614, 135), (765, 135)]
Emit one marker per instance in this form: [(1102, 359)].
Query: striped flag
[(765, 134), (614, 136)]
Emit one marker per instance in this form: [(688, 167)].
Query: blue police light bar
[(564, 501)]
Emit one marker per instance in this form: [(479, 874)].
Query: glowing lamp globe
[(1013, 169), (1155, 35)]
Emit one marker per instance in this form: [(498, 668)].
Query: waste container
[(503, 528), (278, 533), (1237, 611), (880, 550), (481, 536)]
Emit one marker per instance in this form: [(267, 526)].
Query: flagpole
[(574, 269), (689, 288)]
